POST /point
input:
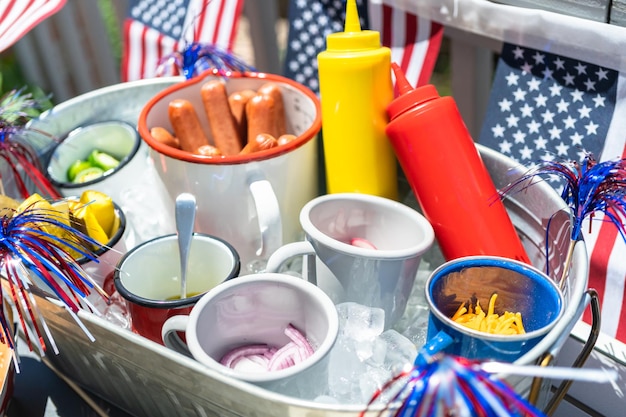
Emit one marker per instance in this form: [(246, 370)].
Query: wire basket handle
[(590, 298)]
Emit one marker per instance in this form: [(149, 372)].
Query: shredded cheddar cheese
[(489, 322)]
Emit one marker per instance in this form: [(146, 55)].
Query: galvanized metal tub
[(147, 379)]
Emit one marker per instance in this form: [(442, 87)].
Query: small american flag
[(414, 42), (154, 29), (19, 17), (545, 107)]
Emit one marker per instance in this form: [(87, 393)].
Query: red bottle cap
[(408, 96)]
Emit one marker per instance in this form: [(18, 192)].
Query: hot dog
[(162, 135), (237, 102), (261, 142), (283, 139), (186, 125), (208, 150), (260, 112), (273, 90), (221, 120)]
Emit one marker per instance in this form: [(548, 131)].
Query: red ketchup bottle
[(447, 175)]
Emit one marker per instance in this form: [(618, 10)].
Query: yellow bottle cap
[(353, 38)]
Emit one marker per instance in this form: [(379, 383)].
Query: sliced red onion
[(284, 358), (362, 243), (252, 363), (270, 352), (299, 339), (252, 358), (243, 351), (261, 360)]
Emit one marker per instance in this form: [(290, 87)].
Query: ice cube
[(359, 322), (400, 351), (344, 371)]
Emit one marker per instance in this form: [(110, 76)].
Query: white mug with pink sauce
[(361, 248), (250, 200)]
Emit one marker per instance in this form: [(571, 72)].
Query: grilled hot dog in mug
[(237, 102), (273, 90), (260, 113), (186, 125), (208, 150), (261, 142), (221, 120), (162, 135)]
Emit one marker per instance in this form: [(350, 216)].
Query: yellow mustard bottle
[(355, 90)]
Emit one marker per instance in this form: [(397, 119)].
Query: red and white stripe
[(413, 40), (217, 24), (143, 49), (213, 22), (18, 17), (605, 246)]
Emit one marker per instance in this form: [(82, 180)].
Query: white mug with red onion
[(360, 248), (271, 330), (249, 199)]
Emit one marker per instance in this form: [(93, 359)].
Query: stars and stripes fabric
[(18, 17), (414, 41), (545, 107), (154, 29)]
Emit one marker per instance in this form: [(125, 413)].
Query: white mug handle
[(268, 214), (170, 338), (291, 250)]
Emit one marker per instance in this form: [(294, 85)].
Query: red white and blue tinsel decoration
[(196, 58), (32, 255), (449, 385), (22, 162), (590, 187)]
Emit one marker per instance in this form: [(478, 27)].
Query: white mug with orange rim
[(250, 200)]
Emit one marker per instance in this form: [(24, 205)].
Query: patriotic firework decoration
[(590, 187), (557, 115), (16, 109), (32, 253), (451, 386), (447, 385), (197, 58)]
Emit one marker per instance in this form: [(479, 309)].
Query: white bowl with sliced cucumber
[(98, 156)]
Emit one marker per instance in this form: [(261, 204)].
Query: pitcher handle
[(291, 250), (268, 215), (169, 334)]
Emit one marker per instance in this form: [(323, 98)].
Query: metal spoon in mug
[(185, 219)]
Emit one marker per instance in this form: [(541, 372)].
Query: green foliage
[(11, 79), (111, 21)]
